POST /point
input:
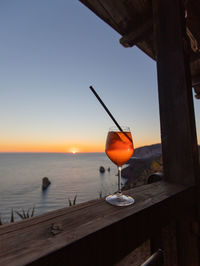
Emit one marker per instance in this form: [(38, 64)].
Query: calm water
[(21, 178)]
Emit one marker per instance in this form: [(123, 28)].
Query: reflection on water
[(21, 180), (44, 193)]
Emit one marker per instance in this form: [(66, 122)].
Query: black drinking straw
[(109, 113)]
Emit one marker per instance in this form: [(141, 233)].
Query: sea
[(71, 175)]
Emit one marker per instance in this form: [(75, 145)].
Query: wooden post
[(178, 131)]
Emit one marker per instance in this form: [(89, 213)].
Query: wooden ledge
[(94, 233)]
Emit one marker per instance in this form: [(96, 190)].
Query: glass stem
[(119, 180)]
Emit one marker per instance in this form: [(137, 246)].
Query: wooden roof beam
[(193, 42), (136, 35), (196, 80)]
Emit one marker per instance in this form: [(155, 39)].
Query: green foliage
[(157, 165), (25, 215), (71, 203)]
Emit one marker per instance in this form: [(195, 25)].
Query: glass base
[(119, 199)]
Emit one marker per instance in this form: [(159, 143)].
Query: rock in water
[(101, 169), (45, 183)]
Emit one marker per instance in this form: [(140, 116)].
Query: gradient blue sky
[(51, 51)]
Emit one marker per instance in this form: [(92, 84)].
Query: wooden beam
[(196, 81), (137, 35), (94, 233), (187, 243), (193, 42), (178, 131)]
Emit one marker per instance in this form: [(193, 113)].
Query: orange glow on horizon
[(61, 147), (50, 148)]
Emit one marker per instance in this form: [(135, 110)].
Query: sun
[(74, 150)]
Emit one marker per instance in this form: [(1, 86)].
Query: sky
[(51, 51)]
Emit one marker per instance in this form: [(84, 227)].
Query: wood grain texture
[(156, 259), (130, 16), (139, 34), (169, 244), (178, 131), (187, 243), (120, 15), (94, 233)]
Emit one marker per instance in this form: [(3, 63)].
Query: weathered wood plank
[(94, 231), (120, 15), (169, 243), (187, 243), (178, 131)]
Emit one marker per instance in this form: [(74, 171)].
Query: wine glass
[(119, 149)]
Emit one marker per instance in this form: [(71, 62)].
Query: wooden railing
[(155, 259), (96, 233)]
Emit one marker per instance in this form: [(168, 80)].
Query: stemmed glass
[(119, 148)]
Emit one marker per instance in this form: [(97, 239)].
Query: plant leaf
[(32, 214), (74, 201), (12, 217), (19, 214), (27, 214), (70, 203), (24, 214)]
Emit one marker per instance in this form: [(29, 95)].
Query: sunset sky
[(51, 52)]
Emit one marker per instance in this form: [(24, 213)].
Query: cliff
[(148, 151), (146, 160)]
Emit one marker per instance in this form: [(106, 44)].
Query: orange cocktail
[(119, 147)]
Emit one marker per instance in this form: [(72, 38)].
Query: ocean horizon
[(70, 174)]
